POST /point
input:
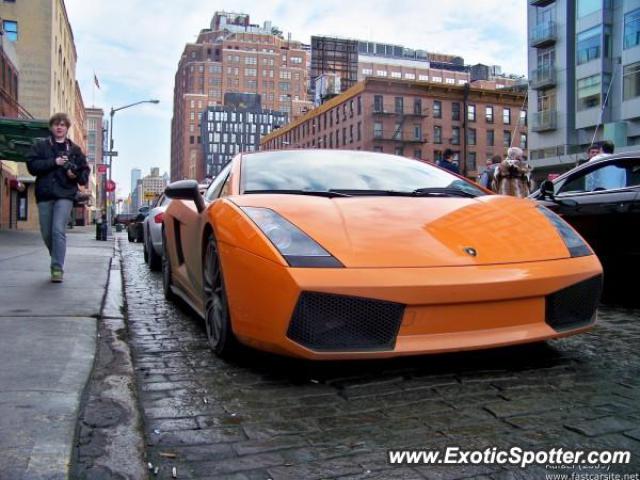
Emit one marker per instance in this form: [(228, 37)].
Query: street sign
[(110, 154), (102, 168), (110, 186), (149, 195)]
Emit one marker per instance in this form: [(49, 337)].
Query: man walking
[(486, 179), (59, 167)]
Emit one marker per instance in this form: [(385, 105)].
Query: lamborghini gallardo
[(329, 254)]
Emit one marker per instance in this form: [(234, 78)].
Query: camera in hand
[(69, 166)]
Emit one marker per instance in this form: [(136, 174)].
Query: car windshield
[(349, 172)]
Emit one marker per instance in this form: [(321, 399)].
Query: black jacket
[(52, 182)]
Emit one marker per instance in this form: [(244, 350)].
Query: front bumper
[(442, 309)]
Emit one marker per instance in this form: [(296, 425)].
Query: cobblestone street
[(266, 417)]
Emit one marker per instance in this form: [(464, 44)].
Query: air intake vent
[(574, 306), (328, 322)]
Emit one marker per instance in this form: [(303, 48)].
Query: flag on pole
[(95, 79)]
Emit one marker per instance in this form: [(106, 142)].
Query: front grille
[(328, 322), (574, 306)]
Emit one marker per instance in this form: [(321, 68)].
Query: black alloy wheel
[(154, 260), (217, 319), (166, 270)]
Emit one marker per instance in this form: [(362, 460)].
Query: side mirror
[(186, 190), (547, 190)]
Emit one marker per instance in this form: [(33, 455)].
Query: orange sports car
[(326, 254)]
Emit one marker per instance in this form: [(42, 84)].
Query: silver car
[(152, 230), (152, 233)]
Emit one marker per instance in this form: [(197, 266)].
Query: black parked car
[(134, 229), (601, 200)]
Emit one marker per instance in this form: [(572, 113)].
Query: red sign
[(102, 168), (553, 176), (110, 186)]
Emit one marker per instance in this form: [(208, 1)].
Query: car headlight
[(576, 246), (297, 248)]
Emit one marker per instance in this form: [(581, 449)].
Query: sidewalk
[(47, 348)]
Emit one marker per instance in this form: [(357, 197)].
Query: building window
[(350, 133), (381, 73), (367, 71), (523, 141), (507, 139), (417, 132), (399, 151), (631, 81), (523, 117), (396, 74), (417, 153), (410, 76), (437, 155), (471, 136), (455, 111), (377, 103), (490, 138), (359, 107), (587, 7), (397, 131), (437, 109), (588, 45), (399, 105), (488, 114), (377, 130), (377, 148), (417, 106), (632, 29), (455, 136), (506, 116), (10, 30), (588, 92), (471, 113), (359, 131), (471, 161), (437, 134)]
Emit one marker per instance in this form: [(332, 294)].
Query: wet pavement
[(266, 417)]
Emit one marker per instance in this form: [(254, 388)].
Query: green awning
[(17, 136)]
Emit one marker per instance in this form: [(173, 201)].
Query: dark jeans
[(54, 216)]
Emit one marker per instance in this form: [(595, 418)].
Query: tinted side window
[(611, 176)]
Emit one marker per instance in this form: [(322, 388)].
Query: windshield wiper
[(355, 192), (316, 193), (443, 191)]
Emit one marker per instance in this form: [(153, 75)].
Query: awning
[(17, 136)]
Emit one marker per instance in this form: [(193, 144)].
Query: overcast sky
[(134, 47)]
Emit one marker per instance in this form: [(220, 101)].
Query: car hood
[(367, 232)]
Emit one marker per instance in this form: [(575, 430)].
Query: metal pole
[(110, 203)]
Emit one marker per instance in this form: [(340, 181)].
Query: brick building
[(232, 56), (414, 119)]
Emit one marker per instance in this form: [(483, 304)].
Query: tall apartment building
[(232, 56), (95, 139), (354, 60), (415, 119), (47, 54), (584, 64), (136, 174), (235, 127), (45, 47)]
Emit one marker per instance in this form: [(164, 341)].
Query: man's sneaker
[(56, 275)]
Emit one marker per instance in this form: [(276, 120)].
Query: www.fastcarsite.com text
[(515, 456)]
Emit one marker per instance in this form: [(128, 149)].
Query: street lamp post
[(111, 114)]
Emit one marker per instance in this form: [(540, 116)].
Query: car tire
[(166, 270), (216, 314), (153, 259)]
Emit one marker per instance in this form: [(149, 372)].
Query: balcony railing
[(398, 136), (545, 120), (543, 77), (543, 34)]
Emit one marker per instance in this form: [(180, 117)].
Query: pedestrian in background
[(486, 179), (59, 167), (447, 162), (513, 176)]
